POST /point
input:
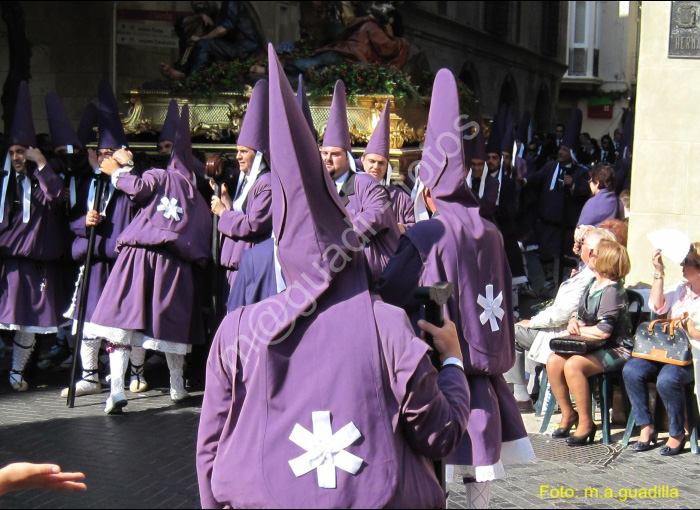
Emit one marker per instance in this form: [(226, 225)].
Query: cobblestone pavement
[(145, 458)]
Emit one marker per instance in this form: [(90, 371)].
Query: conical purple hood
[(475, 148), (281, 337), (380, 143), (573, 130), (493, 146), (22, 124), (170, 125), (523, 128), (304, 105), (254, 131), (181, 159), (88, 122), (109, 124), (307, 213), (62, 132), (337, 131), (442, 164), (628, 133), (508, 137)]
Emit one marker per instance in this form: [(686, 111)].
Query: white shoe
[(178, 395), (17, 381), (116, 403), (84, 387), (138, 384)]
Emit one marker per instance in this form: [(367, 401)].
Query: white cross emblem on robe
[(170, 208), (492, 308), (324, 450)]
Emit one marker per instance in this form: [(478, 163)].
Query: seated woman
[(602, 314), (679, 301)]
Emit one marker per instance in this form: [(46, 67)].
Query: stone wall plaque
[(684, 35)]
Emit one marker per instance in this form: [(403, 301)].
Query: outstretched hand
[(23, 475)]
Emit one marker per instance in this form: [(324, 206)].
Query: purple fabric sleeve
[(435, 411), (257, 217), (51, 186), (139, 189), (376, 213)]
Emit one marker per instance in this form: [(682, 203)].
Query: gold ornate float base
[(219, 118)]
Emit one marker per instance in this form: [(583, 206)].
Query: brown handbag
[(663, 340)]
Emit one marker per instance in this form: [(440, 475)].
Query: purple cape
[(361, 374)]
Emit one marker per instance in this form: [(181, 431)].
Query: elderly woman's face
[(691, 268)]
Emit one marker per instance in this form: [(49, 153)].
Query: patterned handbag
[(663, 340)]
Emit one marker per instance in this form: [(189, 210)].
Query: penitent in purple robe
[(283, 377), (459, 246), (30, 283), (602, 206), (153, 285), (369, 209), (117, 216), (251, 222)]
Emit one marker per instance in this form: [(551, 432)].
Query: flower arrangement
[(359, 79), (362, 79), (218, 77)]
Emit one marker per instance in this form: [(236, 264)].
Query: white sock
[(478, 494), (89, 352), (118, 361), (176, 364)]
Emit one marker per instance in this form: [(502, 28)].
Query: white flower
[(324, 450), (170, 208), (492, 308)]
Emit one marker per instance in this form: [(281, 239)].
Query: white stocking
[(118, 361), (89, 352), (478, 494), (176, 363)]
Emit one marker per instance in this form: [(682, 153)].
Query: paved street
[(145, 458)]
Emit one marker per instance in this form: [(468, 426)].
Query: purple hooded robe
[(153, 285), (367, 202), (459, 246), (30, 284), (268, 373), (253, 224)]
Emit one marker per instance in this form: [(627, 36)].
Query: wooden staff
[(82, 305)]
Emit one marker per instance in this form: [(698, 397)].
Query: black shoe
[(667, 450), (642, 446), (582, 440), (564, 432)]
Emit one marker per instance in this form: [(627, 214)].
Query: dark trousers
[(670, 383)]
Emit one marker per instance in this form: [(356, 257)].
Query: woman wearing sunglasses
[(602, 314), (681, 300)]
